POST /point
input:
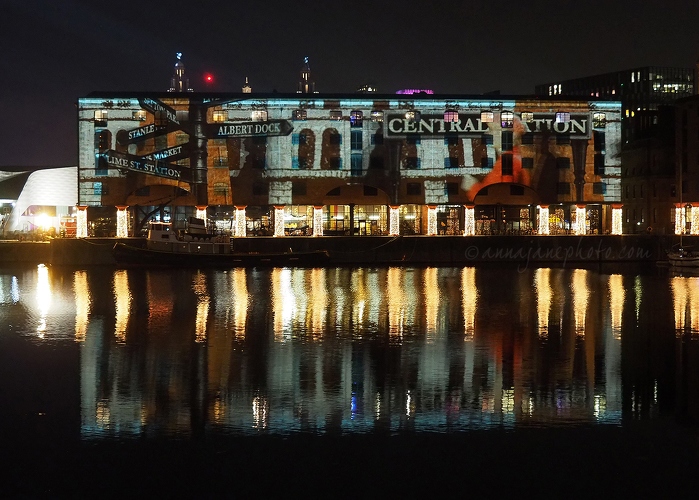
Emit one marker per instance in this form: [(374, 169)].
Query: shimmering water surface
[(108, 353)]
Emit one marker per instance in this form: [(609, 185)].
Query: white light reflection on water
[(43, 298), (544, 294), (580, 297), (353, 349), (685, 294), (122, 302), (82, 305)]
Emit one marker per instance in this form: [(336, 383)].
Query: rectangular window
[(562, 139), (527, 138), (562, 162), (101, 117), (259, 115), (507, 119), (487, 162), (336, 115), (562, 117), (451, 162), (377, 116), (97, 188), (563, 188), (102, 167), (506, 164), (527, 162), (451, 116), (507, 141), (356, 140), (487, 117), (599, 164), (451, 188), (221, 188), (139, 115), (527, 116), (356, 164), (376, 139), (599, 188), (414, 189), (599, 120), (487, 138), (356, 118), (412, 162), (219, 116), (299, 114), (599, 139)]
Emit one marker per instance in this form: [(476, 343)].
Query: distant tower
[(247, 89), (368, 88), (306, 86), (179, 81)]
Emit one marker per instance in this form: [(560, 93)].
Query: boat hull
[(135, 256), (683, 261)]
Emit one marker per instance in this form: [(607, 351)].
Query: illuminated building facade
[(358, 165), (686, 180)]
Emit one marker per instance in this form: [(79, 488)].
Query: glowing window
[(377, 116), (599, 120), (220, 116), (300, 114), (507, 119), (336, 115), (259, 116), (487, 117), (101, 115), (527, 116), (412, 116), (139, 115), (356, 118), (451, 116), (562, 117)]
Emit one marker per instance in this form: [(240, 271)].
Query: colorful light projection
[(469, 220), (278, 221), (617, 218), (81, 223), (318, 221), (239, 225), (393, 220), (431, 220), (544, 219), (122, 229)]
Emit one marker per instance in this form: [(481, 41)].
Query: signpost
[(125, 161), (270, 128)]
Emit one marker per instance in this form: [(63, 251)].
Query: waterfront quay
[(384, 250)]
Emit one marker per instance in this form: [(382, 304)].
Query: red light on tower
[(209, 78)]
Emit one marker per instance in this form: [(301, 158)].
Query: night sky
[(57, 51)]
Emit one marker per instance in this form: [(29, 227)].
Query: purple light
[(415, 91)]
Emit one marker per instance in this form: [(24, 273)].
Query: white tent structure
[(38, 200)]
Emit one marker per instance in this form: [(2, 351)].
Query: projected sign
[(140, 164), (249, 129)]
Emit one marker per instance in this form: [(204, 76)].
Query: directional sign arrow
[(124, 161), (269, 128), (126, 137), (155, 106), (171, 154)]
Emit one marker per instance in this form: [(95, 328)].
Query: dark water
[(99, 356)]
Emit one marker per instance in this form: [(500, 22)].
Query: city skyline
[(56, 54)]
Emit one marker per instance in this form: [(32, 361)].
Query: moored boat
[(165, 247), (683, 257)]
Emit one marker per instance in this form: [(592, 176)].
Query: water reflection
[(358, 350)]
